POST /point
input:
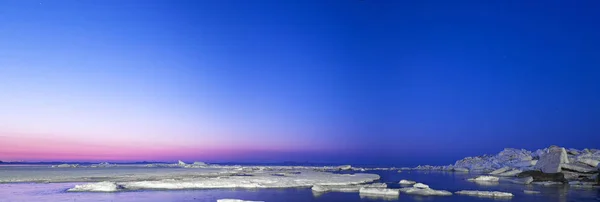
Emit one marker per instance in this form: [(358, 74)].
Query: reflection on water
[(18, 192), (486, 183)]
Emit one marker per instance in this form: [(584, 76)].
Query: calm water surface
[(437, 180)]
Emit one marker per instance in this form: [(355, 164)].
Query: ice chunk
[(530, 192), (550, 162), (235, 200), (103, 165), (485, 178), (425, 191), (379, 191), (526, 163), (97, 187), (420, 185), (501, 170), (584, 168), (590, 162), (407, 182), (66, 166), (510, 173), (181, 163), (484, 193), (344, 167)]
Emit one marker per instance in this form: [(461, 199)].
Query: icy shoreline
[(555, 165)]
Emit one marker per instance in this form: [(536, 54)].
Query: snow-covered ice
[(485, 178), (510, 173), (501, 170), (407, 182), (66, 166), (484, 193), (306, 178), (421, 186), (424, 190), (591, 162), (97, 187), (345, 167), (235, 200), (579, 167)]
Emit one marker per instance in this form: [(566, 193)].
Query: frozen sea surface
[(25, 191)]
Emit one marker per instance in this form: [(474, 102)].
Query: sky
[(341, 81)]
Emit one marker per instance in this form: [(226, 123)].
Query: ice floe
[(66, 166), (421, 186), (485, 178), (253, 180), (501, 170), (97, 187), (346, 188), (378, 191), (103, 165), (424, 190), (484, 193), (407, 182)]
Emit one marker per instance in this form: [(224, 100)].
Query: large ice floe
[(256, 179)]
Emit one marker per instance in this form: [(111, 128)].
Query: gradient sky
[(385, 82)]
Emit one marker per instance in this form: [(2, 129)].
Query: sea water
[(451, 181)]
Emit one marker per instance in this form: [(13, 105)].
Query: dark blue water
[(436, 180)]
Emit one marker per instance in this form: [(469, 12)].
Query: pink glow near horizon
[(59, 149)]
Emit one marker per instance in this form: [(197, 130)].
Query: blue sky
[(390, 82)]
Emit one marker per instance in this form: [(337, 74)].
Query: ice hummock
[(424, 190)]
